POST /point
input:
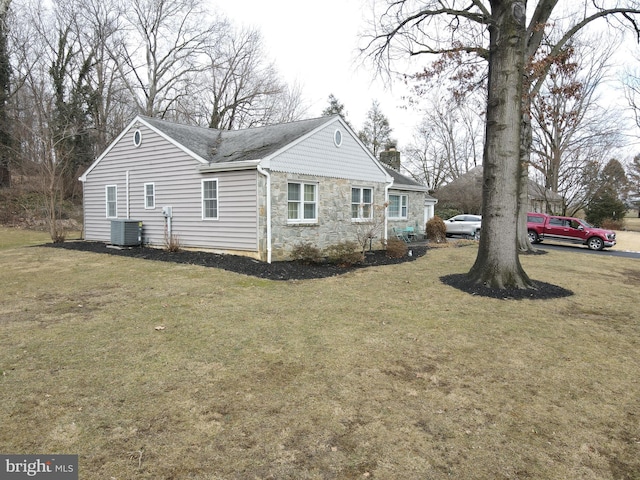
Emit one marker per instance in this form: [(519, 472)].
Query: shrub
[(611, 224), (306, 253), (396, 248), (436, 230), (172, 243), (446, 211), (344, 254)]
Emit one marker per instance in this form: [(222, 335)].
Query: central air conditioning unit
[(126, 233)]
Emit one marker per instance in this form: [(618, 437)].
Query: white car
[(466, 225)]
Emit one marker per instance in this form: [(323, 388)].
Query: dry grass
[(381, 373), (632, 223)]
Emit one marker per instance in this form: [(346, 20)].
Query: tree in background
[(376, 132), (459, 29), (570, 129), (633, 175), (335, 107), (242, 89), (448, 141), (607, 202), (408, 29), (6, 140), (80, 70)]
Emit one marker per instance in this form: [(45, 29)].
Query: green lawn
[(149, 370)]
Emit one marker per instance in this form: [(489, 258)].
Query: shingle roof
[(400, 180), (221, 146)]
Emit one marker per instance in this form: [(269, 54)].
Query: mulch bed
[(293, 270)]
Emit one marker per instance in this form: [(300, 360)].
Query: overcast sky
[(315, 44)]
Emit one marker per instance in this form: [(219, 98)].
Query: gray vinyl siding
[(319, 156), (177, 184)]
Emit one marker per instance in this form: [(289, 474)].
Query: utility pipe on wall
[(126, 192), (268, 178)]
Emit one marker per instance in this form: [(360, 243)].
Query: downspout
[(126, 190), (386, 209), (268, 178)]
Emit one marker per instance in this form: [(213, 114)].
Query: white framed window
[(302, 202), (361, 203), (149, 196), (398, 206), (111, 201), (210, 199)]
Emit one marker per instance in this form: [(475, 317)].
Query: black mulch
[(299, 271), (542, 291), (234, 263)]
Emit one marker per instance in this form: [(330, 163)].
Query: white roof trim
[(173, 142), (368, 152), (229, 166), (127, 129), (265, 162), (83, 177)]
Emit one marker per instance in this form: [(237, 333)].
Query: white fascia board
[(388, 177), (229, 166), (83, 177), (266, 161), (411, 188), (173, 142), (135, 121)]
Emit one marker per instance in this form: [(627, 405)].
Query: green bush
[(344, 253), (307, 253), (436, 230), (445, 212), (396, 248)]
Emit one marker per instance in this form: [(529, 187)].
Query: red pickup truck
[(568, 229)]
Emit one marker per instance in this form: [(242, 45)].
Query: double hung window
[(361, 203), (209, 199), (149, 195), (398, 206), (111, 200), (302, 202)]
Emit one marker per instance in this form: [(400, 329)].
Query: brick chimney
[(390, 156)]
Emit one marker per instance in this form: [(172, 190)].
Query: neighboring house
[(465, 193), (257, 192)]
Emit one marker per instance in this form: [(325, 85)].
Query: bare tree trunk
[(497, 264), (524, 245)]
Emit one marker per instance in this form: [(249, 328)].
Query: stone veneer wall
[(334, 213), (415, 211)]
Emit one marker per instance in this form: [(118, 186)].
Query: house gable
[(318, 154)]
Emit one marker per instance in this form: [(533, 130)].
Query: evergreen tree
[(605, 206), (376, 131), (334, 108), (608, 200), (633, 175)]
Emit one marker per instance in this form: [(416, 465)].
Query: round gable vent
[(137, 138), (337, 138)]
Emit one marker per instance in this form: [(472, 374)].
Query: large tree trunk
[(497, 264)]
